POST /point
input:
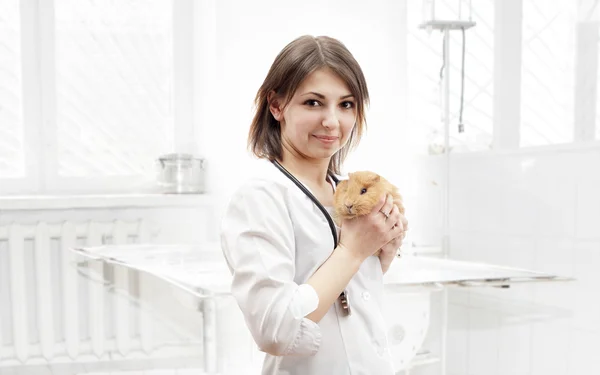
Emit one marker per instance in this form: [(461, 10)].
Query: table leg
[(209, 316)]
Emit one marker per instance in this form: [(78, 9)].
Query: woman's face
[(319, 118)]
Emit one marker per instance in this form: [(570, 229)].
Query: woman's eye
[(347, 105), (312, 103), (363, 191)]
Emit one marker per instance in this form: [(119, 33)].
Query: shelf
[(447, 24), (73, 201)]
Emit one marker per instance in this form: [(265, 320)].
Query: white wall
[(538, 210), (531, 209), (248, 38)]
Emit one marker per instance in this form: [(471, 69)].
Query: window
[(12, 156), (548, 72), (114, 86), (93, 92), (557, 86), (425, 92)]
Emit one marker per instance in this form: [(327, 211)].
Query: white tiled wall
[(537, 210)]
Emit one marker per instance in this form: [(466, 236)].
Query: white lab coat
[(274, 238)]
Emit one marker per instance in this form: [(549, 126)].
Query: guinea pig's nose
[(349, 206)]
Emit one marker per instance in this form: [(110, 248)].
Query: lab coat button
[(366, 296), (397, 334)]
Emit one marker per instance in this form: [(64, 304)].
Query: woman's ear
[(275, 106)]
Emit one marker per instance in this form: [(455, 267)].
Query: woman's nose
[(331, 119)]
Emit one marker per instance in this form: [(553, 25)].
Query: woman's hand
[(390, 250), (364, 235)]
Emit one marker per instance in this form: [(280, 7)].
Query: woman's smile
[(327, 139)]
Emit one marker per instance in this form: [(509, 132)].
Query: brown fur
[(348, 193)]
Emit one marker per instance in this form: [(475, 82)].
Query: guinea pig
[(359, 194)]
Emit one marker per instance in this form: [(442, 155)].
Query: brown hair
[(295, 62)]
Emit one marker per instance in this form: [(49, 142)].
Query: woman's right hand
[(363, 235)]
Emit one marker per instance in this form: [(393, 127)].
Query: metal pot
[(180, 174)]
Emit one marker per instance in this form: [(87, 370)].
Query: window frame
[(38, 71)]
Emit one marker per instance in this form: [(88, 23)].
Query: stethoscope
[(312, 198), (344, 295)]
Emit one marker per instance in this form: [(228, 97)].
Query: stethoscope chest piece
[(345, 303)]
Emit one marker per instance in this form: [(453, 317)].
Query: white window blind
[(114, 86), (12, 154), (548, 72)]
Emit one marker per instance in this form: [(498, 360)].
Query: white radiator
[(50, 313)]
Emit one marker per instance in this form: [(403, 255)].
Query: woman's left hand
[(390, 250)]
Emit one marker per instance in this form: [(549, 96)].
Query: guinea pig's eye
[(364, 190)]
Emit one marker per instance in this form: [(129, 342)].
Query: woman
[(311, 294)]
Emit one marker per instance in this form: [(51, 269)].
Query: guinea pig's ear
[(374, 179)]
